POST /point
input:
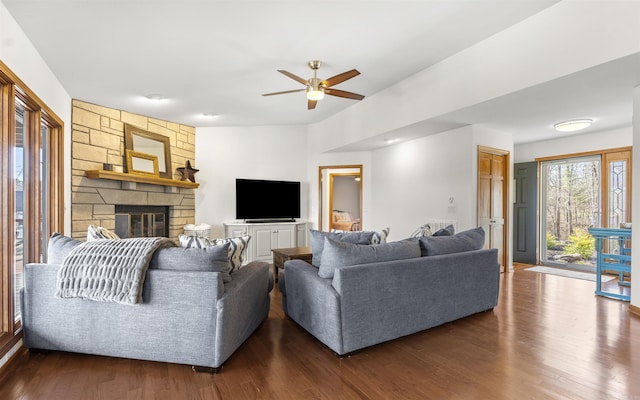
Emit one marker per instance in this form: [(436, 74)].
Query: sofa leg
[(38, 351), (348, 355), (209, 370)]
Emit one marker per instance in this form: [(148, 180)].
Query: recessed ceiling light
[(155, 97), (573, 125)]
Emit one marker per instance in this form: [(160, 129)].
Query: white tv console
[(268, 235)]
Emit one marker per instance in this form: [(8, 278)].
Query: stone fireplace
[(97, 138)]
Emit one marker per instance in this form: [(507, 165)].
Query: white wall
[(526, 152), (403, 184), (226, 153), (412, 181), (18, 53), (635, 209)]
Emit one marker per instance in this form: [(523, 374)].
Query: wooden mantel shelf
[(119, 176)]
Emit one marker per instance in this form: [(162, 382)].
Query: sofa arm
[(242, 308), (313, 303)]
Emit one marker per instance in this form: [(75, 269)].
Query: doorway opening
[(493, 189), (579, 192), (340, 197)]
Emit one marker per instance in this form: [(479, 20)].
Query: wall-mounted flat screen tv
[(264, 200)]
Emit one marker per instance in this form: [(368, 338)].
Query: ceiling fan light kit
[(316, 88), (315, 93)]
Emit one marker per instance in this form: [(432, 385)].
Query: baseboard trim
[(12, 357), (634, 310)]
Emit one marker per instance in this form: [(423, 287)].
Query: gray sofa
[(186, 316), (366, 304)]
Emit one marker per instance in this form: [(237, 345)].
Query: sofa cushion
[(237, 249), (377, 237), (446, 231), (317, 241), (473, 239), (98, 232), (59, 246), (339, 254), (211, 258)]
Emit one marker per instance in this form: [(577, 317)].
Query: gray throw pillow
[(59, 246), (339, 254), (317, 241), (446, 231), (473, 239), (212, 258)]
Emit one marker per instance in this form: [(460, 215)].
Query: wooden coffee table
[(291, 253)]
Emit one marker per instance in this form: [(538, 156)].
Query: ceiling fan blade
[(285, 92), (334, 80), (294, 77), (311, 104), (342, 93)]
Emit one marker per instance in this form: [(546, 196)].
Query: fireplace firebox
[(142, 221)]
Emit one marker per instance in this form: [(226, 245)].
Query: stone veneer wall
[(98, 137)]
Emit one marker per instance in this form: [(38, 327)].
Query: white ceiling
[(220, 56)]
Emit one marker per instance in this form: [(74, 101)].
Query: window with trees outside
[(31, 192), (579, 192)]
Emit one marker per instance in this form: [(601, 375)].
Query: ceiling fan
[(317, 88)]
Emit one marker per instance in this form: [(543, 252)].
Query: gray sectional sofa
[(188, 315), (401, 288)]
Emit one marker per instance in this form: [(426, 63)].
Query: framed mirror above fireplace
[(153, 144)]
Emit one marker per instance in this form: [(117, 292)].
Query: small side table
[(291, 253), (611, 258)]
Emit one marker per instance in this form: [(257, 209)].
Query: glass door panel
[(617, 195), (570, 204), (19, 202)]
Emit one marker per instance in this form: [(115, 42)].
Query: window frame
[(12, 89)]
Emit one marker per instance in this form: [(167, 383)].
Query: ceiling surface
[(220, 56)]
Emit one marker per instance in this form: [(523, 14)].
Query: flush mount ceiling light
[(209, 115), (573, 125), (156, 97)]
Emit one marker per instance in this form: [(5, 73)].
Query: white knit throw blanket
[(108, 270)]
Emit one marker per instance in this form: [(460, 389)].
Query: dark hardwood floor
[(549, 337)]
